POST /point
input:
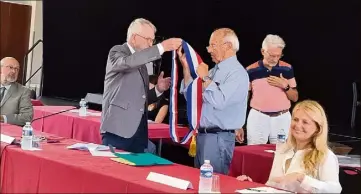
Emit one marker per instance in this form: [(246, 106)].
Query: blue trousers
[(136, 144), (216, 147)]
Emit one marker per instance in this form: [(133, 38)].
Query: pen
[(258, 190)]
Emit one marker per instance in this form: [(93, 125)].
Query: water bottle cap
[(27, 123), (207, 161)]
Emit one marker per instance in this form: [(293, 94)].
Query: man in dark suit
[(126, 87), (15, 106)]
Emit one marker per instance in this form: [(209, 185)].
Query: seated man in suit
[(15, 107), (158, 110)]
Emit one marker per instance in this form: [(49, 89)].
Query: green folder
[(139, 159)]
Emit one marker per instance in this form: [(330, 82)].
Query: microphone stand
[(43, 117)]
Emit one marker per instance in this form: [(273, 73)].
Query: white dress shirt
[(161, 51), (7, 87), (326, 180)]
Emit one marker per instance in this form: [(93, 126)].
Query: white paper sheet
[(261, 190), (6, 139), (270, 151), (88, 146), (170, 181), (105, 153)]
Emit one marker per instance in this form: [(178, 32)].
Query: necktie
[(2, 92), (194, 95)]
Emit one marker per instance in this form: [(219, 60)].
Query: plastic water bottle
[(83, 108), (281, 139), (205, 179), (27, 137)]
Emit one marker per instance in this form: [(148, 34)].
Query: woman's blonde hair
[(319, 145)]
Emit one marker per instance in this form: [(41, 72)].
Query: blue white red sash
[(193, 97)]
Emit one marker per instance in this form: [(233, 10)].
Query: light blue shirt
[(225, 98)]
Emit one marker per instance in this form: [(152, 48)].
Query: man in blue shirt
[(225, 92)]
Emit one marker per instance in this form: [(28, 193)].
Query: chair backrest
[(350, 179), (94, 101)]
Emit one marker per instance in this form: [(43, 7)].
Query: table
[(36, 102), (71, 125), (253, 161), (57, 169)]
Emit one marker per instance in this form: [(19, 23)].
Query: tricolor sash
[(193, 96)]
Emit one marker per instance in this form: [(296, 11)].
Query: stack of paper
[(88, 146), (261, 190), (139, 159)]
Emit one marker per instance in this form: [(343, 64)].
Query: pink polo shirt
[(267, 98)]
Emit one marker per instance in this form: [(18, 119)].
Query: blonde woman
[(305, 163)]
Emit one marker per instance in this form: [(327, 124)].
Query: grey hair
[(233, 39), (272, 40), (136, 27), (229, 36)]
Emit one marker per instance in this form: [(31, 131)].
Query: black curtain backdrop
[(322, 41)]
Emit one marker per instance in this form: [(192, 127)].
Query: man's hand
[(202, 70), (171, 44), (182, 58), (280, 82), (240, 135), (163, 84), (244, 178)]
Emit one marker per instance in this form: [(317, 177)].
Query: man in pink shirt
[(273, 86)]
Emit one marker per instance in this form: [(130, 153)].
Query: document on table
[(88, 146), (261, 190), (105, 153), (270, 151)]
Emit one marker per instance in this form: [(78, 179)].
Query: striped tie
[(2, 92)]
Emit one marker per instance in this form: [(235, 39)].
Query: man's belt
[(214, 130), (273, 114)]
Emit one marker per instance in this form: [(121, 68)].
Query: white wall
[(35, 59)]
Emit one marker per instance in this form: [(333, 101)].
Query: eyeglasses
[(274, 56), (12, 68), (212, 46), (152, 40)]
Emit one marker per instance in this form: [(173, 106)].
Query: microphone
[(56, 113)]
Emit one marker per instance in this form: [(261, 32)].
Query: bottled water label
[(281, 137), (206, 173), (27, 133)]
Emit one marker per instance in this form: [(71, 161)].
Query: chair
[(350, 179)]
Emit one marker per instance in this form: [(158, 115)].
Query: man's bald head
[(9, 70), (223, 44)]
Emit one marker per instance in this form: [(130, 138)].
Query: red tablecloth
[(71, 125), (252, 161), (57, 169), (37, 103)]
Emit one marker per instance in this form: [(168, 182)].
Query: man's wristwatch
[(206, 78), (287, 88)]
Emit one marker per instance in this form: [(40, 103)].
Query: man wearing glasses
[(273, 86), (126, 87), (15, 107)]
